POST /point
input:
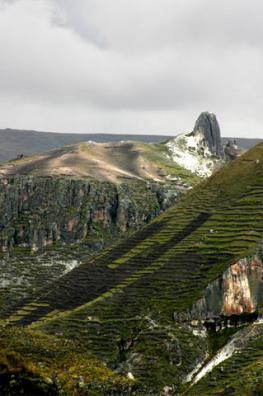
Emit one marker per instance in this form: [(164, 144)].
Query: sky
[(140, 66)]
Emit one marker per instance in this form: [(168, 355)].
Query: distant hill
[(14, 142), (245, 143)]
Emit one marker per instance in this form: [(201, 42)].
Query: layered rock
[(38, 211)]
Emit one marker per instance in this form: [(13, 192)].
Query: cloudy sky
[(135, 66)]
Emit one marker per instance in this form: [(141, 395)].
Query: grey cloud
[(147, 24), (154, 64), (6, 3)]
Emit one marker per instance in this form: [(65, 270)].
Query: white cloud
[(140, 66)]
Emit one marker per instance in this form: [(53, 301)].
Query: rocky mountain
[(176, 309), (68, 203), (89, 194), (63, 194), (200, 151)]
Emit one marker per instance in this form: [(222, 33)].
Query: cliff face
[(36, 212), (238, 291)]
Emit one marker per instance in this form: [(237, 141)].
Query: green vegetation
[(159, 155), (240, 375), (32, 363), (218, 339), (120, 306)]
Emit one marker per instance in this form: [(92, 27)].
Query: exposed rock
[(238, 342), (238, 291), (37, 211), (200, 151), (232, 151), (207, 131)]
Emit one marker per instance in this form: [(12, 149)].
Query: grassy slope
[(241, 375), (120, 306), (159, 155), (40, 364)]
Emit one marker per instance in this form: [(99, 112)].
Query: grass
[(120, 306), (239, 375), (45, 365), (158, 154)]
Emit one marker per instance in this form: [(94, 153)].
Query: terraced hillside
[(128, 307), (241, 373)]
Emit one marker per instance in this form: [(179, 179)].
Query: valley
[(144, 273), (131, 198)]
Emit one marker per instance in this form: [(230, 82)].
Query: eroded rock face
[(207, 131), (237, 296), (200, 151), (38, 211), (238, 291)]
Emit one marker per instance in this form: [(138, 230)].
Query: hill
[(67, 204), (113, 162), (14, 142), (134, 307), (69, 194)]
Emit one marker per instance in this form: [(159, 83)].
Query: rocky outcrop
[(200, 151), (38, 211), (207, 132), (238, 291), (232, 150)]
